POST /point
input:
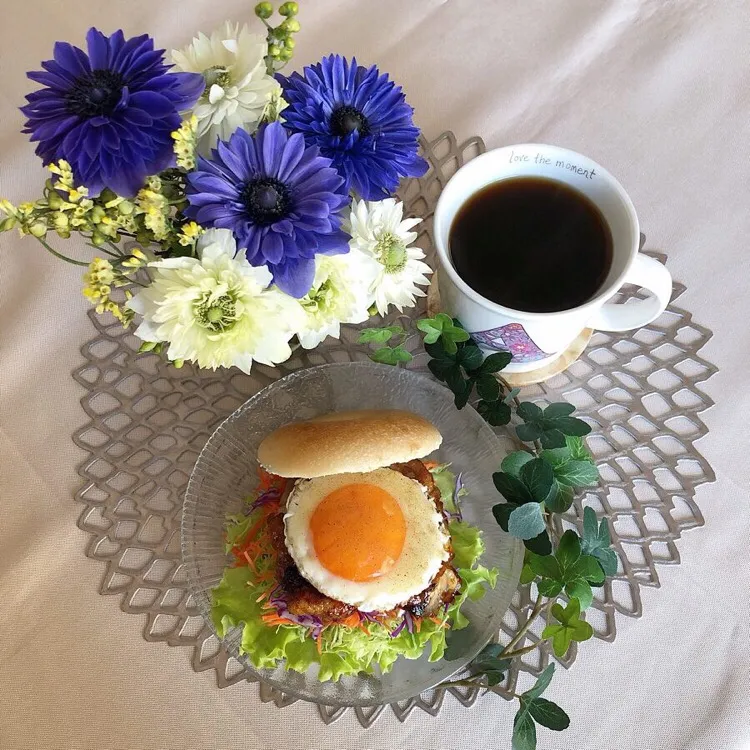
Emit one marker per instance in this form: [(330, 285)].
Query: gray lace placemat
[(148, 422)]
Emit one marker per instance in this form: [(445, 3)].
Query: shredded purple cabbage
[(398, 630), (409, 620), (269, 496), (456, 501), (314, 624)]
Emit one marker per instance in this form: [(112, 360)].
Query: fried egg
[(370, 539)]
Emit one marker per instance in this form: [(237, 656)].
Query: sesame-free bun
[(347, 441)]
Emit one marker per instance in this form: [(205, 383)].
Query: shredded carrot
[(250, 563), (439, 622), (418, 623), (263, 596), (319, 642), (274, 619), (352, 621)]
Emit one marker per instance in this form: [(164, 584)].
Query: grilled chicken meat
[(441, 592), (304, 599)]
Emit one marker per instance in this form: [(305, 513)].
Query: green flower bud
[(178, 363), (264, 10), (291, 25), (285, 55), (274, 50), (38, 230), (98, 239), (7, 224), (289, 9), (290, 43), (54, 200), (125, 208), (63, 234), (147, 346)]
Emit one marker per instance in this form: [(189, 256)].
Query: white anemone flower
[(238, 87), (216, 310), (338, 295), (380, 232)]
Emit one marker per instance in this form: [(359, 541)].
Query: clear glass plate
[(226, 472)]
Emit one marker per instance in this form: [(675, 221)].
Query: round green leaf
[(545, 566), (529, 411), (582, 631), (560, 409), (469, 357), (512, 489), (495, 362), (576, 473), (526, 522), (582, 592), (502, 512), (440, 368), (570, 426), (552, 438), (561, 499), (537, 475), (540, 545), (569, 550), (495, 413), (488, 388), (528, 432), (549, 588), (513, 462)]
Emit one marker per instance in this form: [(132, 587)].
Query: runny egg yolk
[(358, 531)]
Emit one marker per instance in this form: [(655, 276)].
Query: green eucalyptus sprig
[(538, 482)]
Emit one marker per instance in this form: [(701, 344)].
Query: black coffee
[(531, 244)]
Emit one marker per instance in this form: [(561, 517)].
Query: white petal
[(222, 239)]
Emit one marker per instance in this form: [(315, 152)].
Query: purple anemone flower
[(281, 199), (109, 114), (359, 119)]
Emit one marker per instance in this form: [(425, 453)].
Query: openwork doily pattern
[(148, 422)]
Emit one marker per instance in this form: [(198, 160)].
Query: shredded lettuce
[(345, 650)]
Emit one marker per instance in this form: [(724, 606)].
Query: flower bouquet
[(237, 209)]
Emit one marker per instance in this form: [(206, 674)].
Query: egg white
[(424, 551)]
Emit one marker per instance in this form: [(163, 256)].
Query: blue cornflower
[(359, 119), (281, 199), (110, 113)]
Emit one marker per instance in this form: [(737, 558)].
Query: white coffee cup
[(536, 339)]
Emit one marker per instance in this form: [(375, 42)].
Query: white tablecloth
[(657, 91)]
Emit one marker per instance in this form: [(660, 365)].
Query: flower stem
[(60, 255), (538, 605), (521, 651)]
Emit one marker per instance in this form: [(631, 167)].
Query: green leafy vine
[(538, 483)]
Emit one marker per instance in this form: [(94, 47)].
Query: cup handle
[(648, 274)]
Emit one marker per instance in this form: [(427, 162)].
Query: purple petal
[(273, 248), (72, 59), (295, 277), (98, 47)]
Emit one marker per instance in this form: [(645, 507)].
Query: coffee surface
[(531, 244)]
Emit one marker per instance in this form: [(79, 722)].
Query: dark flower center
[(95, 94), (346, 119), (266, 200)]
